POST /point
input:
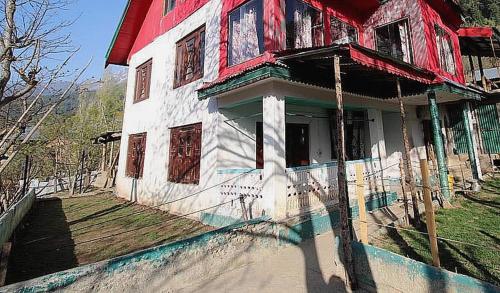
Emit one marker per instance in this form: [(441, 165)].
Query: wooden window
[(445, 50), (190, 59), (297, 145), (135, 155), (342, 32), (143, 81), (357, 134), (304, 25), (394, 40), (259, 145), (246, 32), (168, 6), (185, 154)]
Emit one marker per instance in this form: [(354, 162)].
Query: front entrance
[(297, 145)]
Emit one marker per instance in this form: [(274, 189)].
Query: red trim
[(431, 18), (364, 57), (144, 21), (476, 32)]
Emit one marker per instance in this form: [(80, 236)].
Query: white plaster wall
[(168, 107), (394, 140), (237, 145)]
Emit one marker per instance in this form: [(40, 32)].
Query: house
[(230, 108)]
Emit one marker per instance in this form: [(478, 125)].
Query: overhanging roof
[(127, 31), (479, 41), (364, 71)]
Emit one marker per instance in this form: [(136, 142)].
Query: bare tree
[(35, 49), (32, 34)]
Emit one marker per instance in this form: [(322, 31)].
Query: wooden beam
[(407, 156), (429, 213), (345, 231), (360, 192), (403, 190)]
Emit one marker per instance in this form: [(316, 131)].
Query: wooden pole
[(81, 170), (473, 70), (429, 213), (360, 191), (403, 190), (481, 70), (407, 156), (345, 231), (103, 157), (25, 174)]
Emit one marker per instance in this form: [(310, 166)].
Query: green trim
[(439, 146), (310, 102), (215, 220), (115, 36), (320, 222), (261, 73), (456, 89)]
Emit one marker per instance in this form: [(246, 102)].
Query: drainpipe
[(439, 146), (470, 144)]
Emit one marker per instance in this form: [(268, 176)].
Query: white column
[(377, 139), (274, 177)]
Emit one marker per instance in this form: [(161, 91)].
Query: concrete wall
[(212, 254), (14, 215)]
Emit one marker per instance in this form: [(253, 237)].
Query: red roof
[(128, 29)]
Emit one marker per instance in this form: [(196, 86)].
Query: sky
[(93, 31)]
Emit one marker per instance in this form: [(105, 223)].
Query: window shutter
[(172, 163), (135, 155), (178, 65), (185, 169)]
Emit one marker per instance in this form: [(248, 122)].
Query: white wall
[(168, 107)]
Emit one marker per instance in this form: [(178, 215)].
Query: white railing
[(316, 186), (245, 186), (372, 176), (311, 187)]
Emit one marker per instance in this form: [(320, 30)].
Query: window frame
[(411, 52), (199, 42), (260, 33), (346, 25), (169, 6), (442, 59), (148, 66), (321, 16), (135, 174), (178, 162)]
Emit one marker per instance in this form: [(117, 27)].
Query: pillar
[(274, 176), (471, 144), (377, 140), (439, 146)]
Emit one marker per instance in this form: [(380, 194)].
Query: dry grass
[(63, 233), (474, 221)]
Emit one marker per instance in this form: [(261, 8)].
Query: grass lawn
[(475, 220), (63, 233)]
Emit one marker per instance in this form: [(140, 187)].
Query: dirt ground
[(62, 233)]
